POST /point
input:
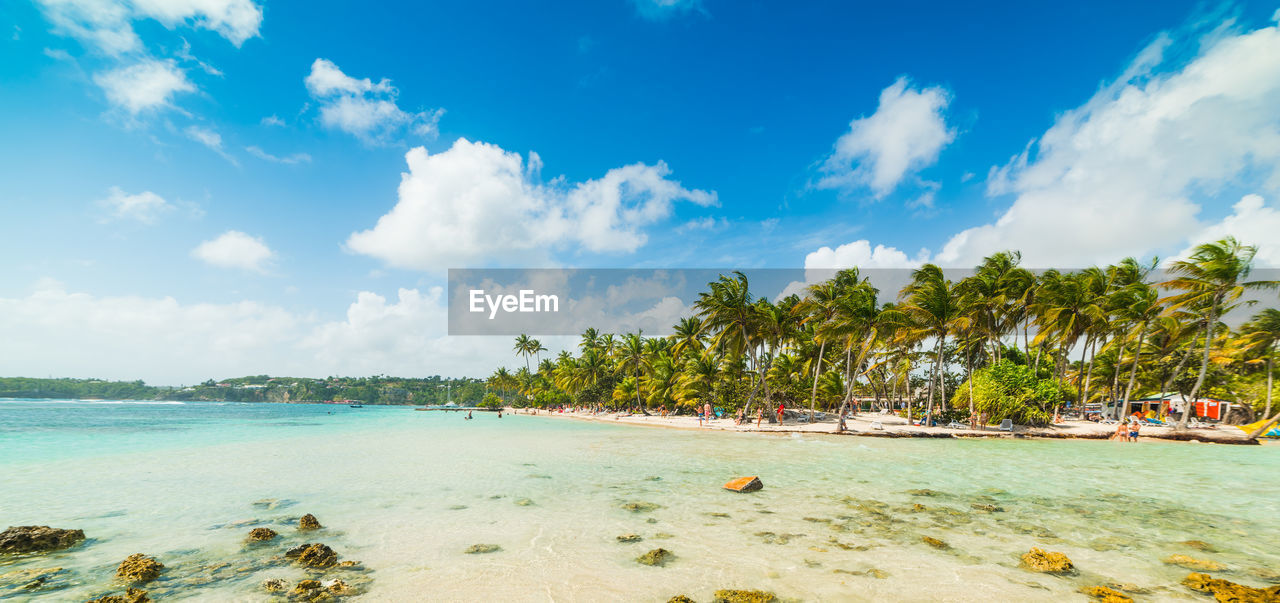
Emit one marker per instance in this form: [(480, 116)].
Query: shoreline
[(892, 426)]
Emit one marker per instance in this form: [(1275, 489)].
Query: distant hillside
[(257, 388)]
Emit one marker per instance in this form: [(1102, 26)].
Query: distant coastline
[(378, 390)]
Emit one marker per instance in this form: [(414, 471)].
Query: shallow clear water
[(407, 492)]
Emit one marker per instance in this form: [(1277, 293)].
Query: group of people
[(1127, 431)]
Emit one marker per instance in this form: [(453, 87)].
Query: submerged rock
[(629, 538), (658, 557), (1199, 545), (306, 589), (1227, 591), (340, 588), (32, 580), (132, 595), (1039, 560), (316, 555), (935, 543), (477, 549), (38, 539), (524, 502), (139, 568), (922, 492), (744, 484), (917, 507), (680, 599), (261, 535), (309, 522), (1192, 563), (744, 596), (274, 585), (986, 508), (771, 538), (1107, 595), (878, 574), (641, 507)]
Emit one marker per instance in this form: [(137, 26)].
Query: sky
[(195, 189)]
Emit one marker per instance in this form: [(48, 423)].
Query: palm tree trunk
[(1084, 376), (933, 377), (1133, 372), (817, 370), (1204, 365), (1270, 370)]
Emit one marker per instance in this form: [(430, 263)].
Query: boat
[(356, 405)]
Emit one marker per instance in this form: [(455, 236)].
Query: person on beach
[(706, 409), (759, 416), (1121, 433), (1134, 428), (742, 413), (781, 407)]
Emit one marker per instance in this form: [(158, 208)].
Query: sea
[(407, 493)]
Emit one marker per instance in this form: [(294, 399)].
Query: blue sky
[(215, 172)]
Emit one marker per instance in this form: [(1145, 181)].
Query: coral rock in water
[(935, 543), (274, 585), (261, 534), (641, 507), (1038, 560), (658, 557), (132, 595), (33, 539), (476, 549), (628, 538), (1192, 563), (680, 599), (1227, 591), (1107, 595), (139, 568), (309, 522), (316, 555), (744, 596)]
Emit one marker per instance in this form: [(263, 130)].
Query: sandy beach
[(891, 426)]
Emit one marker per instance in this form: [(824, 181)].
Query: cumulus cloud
[(145, 85), (235, 249), (107, 25), (905, 134), (145, 207), (166, 341), (477, 203), (1128, 172), (209, 138), (1252, 222), (364, 108)]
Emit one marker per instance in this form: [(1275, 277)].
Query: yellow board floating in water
[(1274, 432)]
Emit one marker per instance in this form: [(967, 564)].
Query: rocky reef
[(641, 507), (38, 539), (32, 581), (1107, 595), (629, 538), (133, 595), (656, 557), (1039, 560), (260, 535), (1226, 591), (1191, 563), (138, 568), (744, 596), (479, 549), (309, 522), (318, 556), (935, 543)]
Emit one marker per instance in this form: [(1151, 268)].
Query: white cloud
[(706, 223), (861, 254), (272, 120), (235, 249), (166, 341), (145, 207), (905, 134), (106, 25), (363, 108), (289, 159), (1251, 222), (1127, 172), (477, 203), (145, 85), (211, 139)]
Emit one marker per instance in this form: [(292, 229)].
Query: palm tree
[(934, 308), (727, 311), (1262, 333), (1138, 305), (526, 346), (632, 357), (819, 308), (688, 337), (1213, 281)]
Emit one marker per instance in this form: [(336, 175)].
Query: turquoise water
[(407, 492)]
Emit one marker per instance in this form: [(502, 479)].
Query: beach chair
[(876, 425), (1154, 422), (956, 425), (1006, 425)]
